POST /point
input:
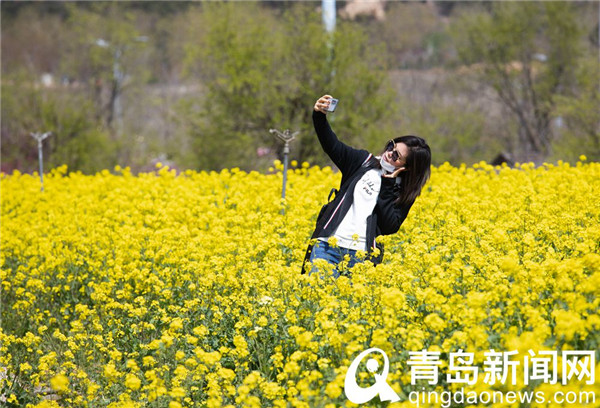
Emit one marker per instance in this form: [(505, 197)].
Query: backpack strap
[(366, 162)]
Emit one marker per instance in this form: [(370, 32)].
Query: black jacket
[(354, 163)]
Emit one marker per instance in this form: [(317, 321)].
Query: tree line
[(199, 85)]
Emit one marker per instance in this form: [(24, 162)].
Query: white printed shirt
[(352, 231)]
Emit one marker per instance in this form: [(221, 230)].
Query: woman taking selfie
[(374, 197)]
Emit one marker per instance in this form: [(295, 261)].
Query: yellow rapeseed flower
[(132, 382), (59, 383), (184, 288)]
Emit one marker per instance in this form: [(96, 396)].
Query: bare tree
[(526, 51)]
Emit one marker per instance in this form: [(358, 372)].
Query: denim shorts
[(334, 256)]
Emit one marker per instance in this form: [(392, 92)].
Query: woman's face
[(402, 151)]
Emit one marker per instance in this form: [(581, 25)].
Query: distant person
[(374, 197)]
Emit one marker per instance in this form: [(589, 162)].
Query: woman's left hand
[(396, 173)]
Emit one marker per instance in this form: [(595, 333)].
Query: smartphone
[(332, 105)]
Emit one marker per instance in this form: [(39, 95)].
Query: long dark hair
[(418, 169)]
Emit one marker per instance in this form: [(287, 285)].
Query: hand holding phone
[(326, 104)]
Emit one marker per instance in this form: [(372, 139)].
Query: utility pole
[(328, 7), (329, 19), (118, 77), (287, 137), (40, 137)]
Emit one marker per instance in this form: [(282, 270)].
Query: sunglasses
[(390, 147)]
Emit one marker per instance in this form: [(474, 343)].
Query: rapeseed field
[(168, 289)]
